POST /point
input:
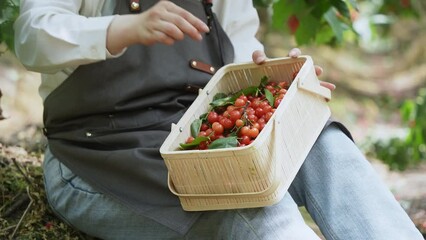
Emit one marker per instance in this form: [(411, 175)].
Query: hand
[(164, 23), (259, 57)]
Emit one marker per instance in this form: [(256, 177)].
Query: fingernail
[(206, 28), (260, 59)]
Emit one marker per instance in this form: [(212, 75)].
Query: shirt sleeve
[(240, 20), (50, 35)]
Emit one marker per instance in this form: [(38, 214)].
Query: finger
[(180, 27), (328, 85), (259, 57), (161, 37), (318, 70), (184, 18), (294, 53), (175, 27), (173, 31)]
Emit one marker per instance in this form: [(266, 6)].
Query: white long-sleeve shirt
[(55, 37)]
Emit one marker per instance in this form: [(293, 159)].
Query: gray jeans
[(336, 183)]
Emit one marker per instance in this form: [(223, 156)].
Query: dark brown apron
[(108, 119)]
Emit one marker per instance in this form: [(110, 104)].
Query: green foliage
[(401, 153), (9, 10), (313, 22), (399, 8), (320, 22)]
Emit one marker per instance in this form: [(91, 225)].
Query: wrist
[(120, 34)]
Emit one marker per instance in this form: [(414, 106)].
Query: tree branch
[(1, 111)]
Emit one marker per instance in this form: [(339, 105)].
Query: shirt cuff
[(109, 55), (93, 38)]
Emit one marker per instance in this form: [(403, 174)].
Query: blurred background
[(374, 51)]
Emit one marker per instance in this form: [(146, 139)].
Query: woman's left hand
[(259, 57)]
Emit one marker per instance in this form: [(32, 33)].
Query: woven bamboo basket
[(258, 174)]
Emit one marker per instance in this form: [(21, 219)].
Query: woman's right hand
[(164, 23)]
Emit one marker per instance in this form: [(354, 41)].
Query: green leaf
[(335, 24), (263, 82), (219, 96), (407, 109), (194, 143), (9, 11), (203, 116), (222, 102), (227, 142), (320, 8), (353, 4), (342, 7), (221, 99), (250, 91), (195, 127), (269, 97), (324, 35), (281, 11), (307, 30)]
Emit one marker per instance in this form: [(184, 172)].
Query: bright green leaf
[(195, 127), (219, 96), (221, 102), (324, 35), (407, 109), (335, 24), (250, 90), (194, 143), (227, 142), (269, 97), (307, 29)]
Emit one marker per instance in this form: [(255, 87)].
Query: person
[(115, 75)]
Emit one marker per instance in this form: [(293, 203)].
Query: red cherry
[(212, 117), (217, 128), (240, 102), (253, 132), (190, 139), (227, 123), (234, 115), (245, 140), (239, 123), (293, 23)]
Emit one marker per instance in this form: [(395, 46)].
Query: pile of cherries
[(235, 120)]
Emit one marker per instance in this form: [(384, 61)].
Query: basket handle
[(308, 80), (315, 88)]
